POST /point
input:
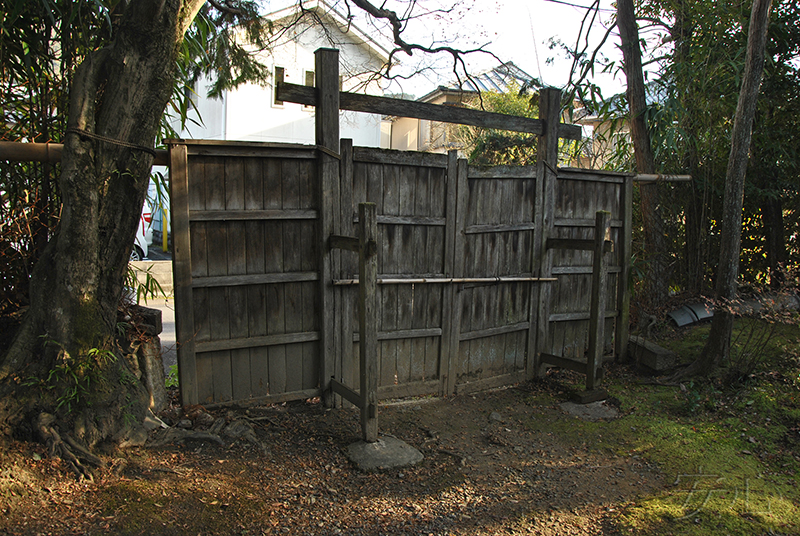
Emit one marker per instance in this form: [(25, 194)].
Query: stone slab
[(386, 453), (650, 355)]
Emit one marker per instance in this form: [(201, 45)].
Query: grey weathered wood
[(253, 342), (182, 274), (346, 392), (544, 215), (576, 243), (501, 172), (345, 370), (327, 137), (421, 110), (253, 279), (581, 222), (497, 330), (343, 242), (367, 320), (414, 333), (251, 215), (623, 289), (457, 173), (388, 156), (574, 270), (563, 362), (599, 290), (499, 228), (583, 315)]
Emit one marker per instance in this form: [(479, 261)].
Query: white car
[(144, 235)]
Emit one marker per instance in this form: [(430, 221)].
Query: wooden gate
[(470, 292)]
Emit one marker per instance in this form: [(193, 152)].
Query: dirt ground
[(490, 467)]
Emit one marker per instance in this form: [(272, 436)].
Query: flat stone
[(595, 411), (386, 453)]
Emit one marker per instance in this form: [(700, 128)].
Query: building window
[(280, 74)]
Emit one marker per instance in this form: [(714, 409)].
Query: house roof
[(500, 79), (344, 24)]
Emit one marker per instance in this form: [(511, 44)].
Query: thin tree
[(654, 243), (717, 349)]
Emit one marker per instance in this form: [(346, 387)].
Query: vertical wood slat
[(367, 319), (327, 136), (182, 270), (449, 340), (624, 256), (460, 192), (542, 263), (343, 367), (598, 304)]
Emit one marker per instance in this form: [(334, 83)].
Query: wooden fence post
[(182, 270), (327, 138), (623, 289), (544, 207), (597, 318), (367, 318)]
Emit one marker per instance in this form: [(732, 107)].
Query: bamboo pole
[(430, 280), (51, 152)]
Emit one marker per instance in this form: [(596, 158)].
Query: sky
[(518, 31)]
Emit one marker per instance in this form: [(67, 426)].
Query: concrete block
[(650, 355)]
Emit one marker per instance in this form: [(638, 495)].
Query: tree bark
[(717, 347), (117, 98), (654, 242)]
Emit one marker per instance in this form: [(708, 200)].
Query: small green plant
[(172, 378), (72, 378), (142, 284)]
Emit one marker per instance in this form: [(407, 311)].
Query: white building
[(252, 113)]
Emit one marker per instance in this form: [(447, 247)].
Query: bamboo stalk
[(447, 280)]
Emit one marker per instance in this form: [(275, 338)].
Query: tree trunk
[(117, 98), (717, 347), (654, 243)]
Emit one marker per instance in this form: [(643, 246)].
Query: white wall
[(249, 113)]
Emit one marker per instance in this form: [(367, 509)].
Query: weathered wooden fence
[(472, 292)]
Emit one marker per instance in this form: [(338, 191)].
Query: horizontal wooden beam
[(343, 242), (491, 332), (422, 110), (13, 151), (400, 334), (345, 392), (450, 280), (563, 362), (577, 244), (657, 177), (255, 342), (253, 279), (252, 215)]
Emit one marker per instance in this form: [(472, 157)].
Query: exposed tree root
[(67, 448)]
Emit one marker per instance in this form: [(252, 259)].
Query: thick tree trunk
[(117, 98), (717, 347), (654, 241)]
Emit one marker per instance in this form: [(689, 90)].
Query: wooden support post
[(544, 219), (349, 266), (597, 318), (327, 137), (182, 270), (623, 289), (368, 318)]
